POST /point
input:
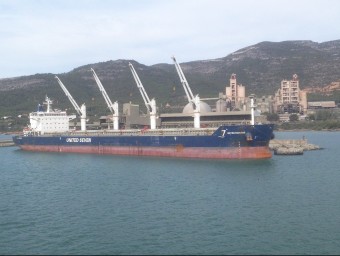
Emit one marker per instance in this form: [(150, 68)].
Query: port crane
[(112, 106), (194, 100), (150, 104), (80, 110)]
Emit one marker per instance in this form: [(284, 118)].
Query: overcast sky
[(55, 36)]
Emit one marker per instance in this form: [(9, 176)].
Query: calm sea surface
[(52, 203)]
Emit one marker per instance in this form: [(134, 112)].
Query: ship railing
[(210, 124), (138, 132)]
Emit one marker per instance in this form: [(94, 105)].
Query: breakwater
[(291, 147), (6, 143)]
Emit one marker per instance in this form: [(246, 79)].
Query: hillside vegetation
[(260, 68)]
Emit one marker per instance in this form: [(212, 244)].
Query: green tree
[(293, 118), (311, 117), (324, 114), (272, 117)]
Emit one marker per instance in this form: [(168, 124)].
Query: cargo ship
[(49, 132)]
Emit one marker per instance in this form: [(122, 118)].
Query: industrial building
[(231, 108), (265, 104), (321, 105), (289, 98), (131, 118), (235, 94)]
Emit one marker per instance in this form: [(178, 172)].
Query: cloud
[(57, 36)]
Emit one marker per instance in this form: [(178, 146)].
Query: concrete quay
[(291, 147), (6, 143)]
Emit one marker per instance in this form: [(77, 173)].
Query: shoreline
[(307, 130)]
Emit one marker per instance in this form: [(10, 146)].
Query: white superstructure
[(50, 121)]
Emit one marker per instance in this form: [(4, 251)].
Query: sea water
[(56, 203)]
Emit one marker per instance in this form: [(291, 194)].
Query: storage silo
[(189, 108), (221, 105), (241, 92)]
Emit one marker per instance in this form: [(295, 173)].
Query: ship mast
[(150, 104), (48, 102), (80, 110), (252, 107), (195, 100), (112, 106)]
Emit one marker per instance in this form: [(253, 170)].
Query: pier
[(291, 147), (6, 143)]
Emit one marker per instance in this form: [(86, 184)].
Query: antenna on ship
[(112, 106), (195, 100), (48, 102), (150, 104), (80, 110)]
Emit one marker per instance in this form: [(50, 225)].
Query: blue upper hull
[(224, 136)]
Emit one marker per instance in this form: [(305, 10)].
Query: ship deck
[(136, 132)]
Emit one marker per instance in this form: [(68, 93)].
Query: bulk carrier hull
[(227, 142)]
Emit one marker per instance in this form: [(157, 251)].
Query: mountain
[(260, 68)]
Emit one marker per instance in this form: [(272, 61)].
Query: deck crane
[(80, 110), (112, 106), (150, 104), (195, 100)]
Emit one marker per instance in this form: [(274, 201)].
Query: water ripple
[(89, 204)]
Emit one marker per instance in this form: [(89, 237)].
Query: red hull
[(180, 152)]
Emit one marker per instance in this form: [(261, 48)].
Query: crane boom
[(103, 91), (112, 106), (140, 87), (73, 102), (194, 100), (150, 104), (81, 111), (184, 81)]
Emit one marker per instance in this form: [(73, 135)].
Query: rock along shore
[(6, 143), (291, 147)]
